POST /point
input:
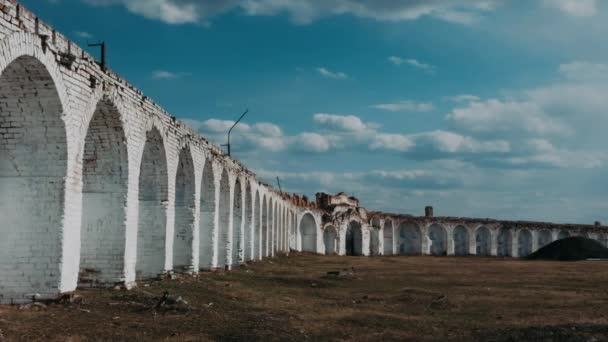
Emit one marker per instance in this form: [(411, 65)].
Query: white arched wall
[(225, 221), (185, 211), (105, 177), (437, 240), (524, 242), (153, 203), (209, 215), (354, 239), (32, 170), (388, 237), (409, 239), (505, 242), (483, 241), (330, 240), (375, 246), (461, 240), (308, 230)]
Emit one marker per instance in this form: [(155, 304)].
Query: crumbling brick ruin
[(100, 186)]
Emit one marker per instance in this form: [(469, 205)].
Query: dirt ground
[(381, 298)]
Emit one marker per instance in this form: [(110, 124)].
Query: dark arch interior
[(354, 239)]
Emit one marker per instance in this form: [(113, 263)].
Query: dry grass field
[(384, 298)]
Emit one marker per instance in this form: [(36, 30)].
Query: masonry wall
[(99, 185)]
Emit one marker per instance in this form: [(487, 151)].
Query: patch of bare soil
[(318, 298)]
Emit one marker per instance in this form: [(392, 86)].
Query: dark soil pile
[(571, 249)]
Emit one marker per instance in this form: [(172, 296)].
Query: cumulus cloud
[(83, 34), (413, 63), (306, 11), (344, 123), (577, 8), (505, 118), (584, 71), (167, 75), (331, 74), (406, 106)]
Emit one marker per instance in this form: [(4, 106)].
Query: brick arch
[(330, 239), (223, 219), (105, 178), (461, 239), (483, 241), (308, 228), (409, 239), (153, 205), (208, 213), (185, 206), (33, 173), (264, 224), (389, 236), (237, 222), (438, 238), (354, 238)]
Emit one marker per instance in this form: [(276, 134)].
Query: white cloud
[(449, 142), (167, 75), (406, 106), (413, 63), (344, 123), (83, 34), (463, 98), (584, 71), (505, 117), (331, 74), (391, 142), (306, 11), (577, 8), (311, 142)]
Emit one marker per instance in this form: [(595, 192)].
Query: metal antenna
[(230, 130), (279, 183), (102, 63)]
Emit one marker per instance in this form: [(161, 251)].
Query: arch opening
[(208, 216), (438, 237), (153, 201), (330, 240), (354, 239), (264, 248), (461, 241), (237, 224), (248, 225), (563, 235), (388, 234), (257, 219), (483, 241), (33, 164), (223, 229), (374, 239), (410, 239), (504, 242), (308, 230), (524, 241), (544, 238), (104, 196), (183, 234)]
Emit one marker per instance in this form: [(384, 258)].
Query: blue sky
[(486, 108)]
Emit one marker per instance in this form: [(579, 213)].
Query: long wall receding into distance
[(100, 186)]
